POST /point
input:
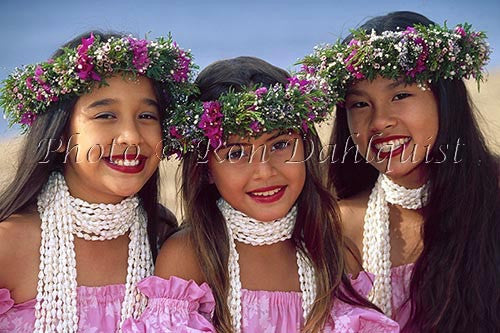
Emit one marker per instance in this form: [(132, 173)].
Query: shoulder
[(178, 258), (19, 240)]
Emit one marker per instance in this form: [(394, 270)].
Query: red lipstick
[(268, 198)]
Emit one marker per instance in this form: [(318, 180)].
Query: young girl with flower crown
[(80, 223), (260, 229), (423, 207)]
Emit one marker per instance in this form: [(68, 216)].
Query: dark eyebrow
[(102, 102), (396, 84), (109, 101), (276, 135), (150, 101), (229, 145), (246, 144), (354, 92)]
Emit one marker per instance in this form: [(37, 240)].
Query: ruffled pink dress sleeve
[(174, 305), (281, 312)]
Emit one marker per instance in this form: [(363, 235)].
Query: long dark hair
[(35, 165), (317, 225), (455, 281)]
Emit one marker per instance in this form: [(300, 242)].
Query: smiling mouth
[(391, 145), (268, 194), (126, 164)]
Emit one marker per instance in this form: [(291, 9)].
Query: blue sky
[(277, 31)]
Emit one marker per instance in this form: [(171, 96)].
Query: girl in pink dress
[(80, 223), (260, 228), (418, 186)]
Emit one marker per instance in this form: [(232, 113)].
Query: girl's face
[(394, 126), (114, 140), (261, 177)]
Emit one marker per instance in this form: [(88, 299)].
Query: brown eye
[(401, 96), (105, 115), (149, 115), (280, 145)]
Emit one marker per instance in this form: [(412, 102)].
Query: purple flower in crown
[(174, 133), (305, 126), (86, 43), (211, 122), (84, 65), (261, 91), (181, 73), (28, 118), (141, 59), (308, 69), (255, 126), (301, 84)]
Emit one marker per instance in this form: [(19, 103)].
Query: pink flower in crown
[(420, 65), (461, 31), (350, 67), (410, 30), (28, 118), (29, 83), (261, 91), (211, 122), (141, 59)]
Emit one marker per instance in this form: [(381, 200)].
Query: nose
[(263, 165), (382, 119), (129, 133)]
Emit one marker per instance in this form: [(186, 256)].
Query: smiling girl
[(80, 223), (423, 210), (260, 229)]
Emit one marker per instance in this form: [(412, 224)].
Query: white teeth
[(391, 145), (267, 193), (125, 162)]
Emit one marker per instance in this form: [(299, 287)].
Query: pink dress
[(99, 308), (400, 282), (262, 311)]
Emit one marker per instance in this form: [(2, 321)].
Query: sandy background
[(487, 102)]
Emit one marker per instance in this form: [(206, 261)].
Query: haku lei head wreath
[(252, 112), (419, 54), (32, 89)]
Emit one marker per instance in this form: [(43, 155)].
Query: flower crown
[(253, 112), (418, 54), (31, 90)]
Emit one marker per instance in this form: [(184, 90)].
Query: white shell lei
[(64, 217), (376, 239), (249, 231)]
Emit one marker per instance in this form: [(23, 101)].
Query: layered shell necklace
[(64, 217), (376, 237), (244, 229)]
